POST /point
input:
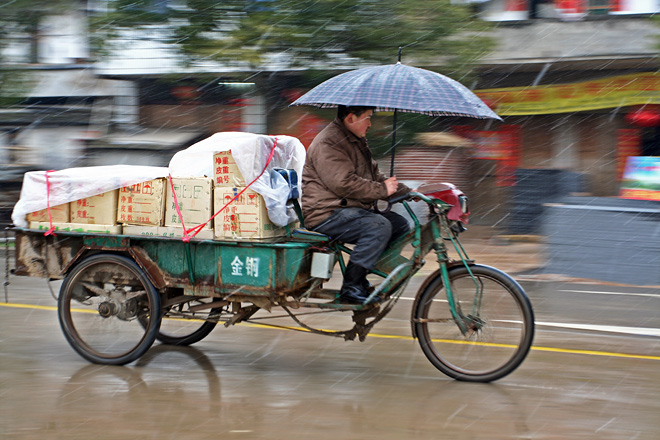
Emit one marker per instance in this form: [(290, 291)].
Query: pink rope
[(190, 233), (51, 230), (176, 205)]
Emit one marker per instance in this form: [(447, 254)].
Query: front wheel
[(108, 310), (496, 323)]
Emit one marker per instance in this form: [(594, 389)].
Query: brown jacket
[(340, 172)]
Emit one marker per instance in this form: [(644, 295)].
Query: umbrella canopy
[(397, 87)]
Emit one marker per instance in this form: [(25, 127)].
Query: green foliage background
[(309, 33), (315, 38)]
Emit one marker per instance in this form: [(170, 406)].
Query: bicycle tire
[(504, 324), (186, 332), (101, 303)]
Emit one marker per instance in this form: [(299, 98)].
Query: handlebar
[(412, 195)]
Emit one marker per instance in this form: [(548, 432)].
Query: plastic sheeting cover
[(250, 151), (72, 184)]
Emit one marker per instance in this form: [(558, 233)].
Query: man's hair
[(357, 110)]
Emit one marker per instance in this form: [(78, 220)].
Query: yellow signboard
[(611, 92)]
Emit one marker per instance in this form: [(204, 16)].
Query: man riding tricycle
[(123, 291)]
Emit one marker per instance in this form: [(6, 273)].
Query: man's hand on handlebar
[(412, 195)]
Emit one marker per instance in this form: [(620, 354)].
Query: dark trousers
[(369, 231)]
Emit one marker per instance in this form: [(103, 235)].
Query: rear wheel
[(178, 328), (108, 310), (497, 333)]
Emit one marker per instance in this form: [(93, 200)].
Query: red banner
[(502, 145)]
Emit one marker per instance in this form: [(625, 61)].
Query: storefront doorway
[(650, 142)]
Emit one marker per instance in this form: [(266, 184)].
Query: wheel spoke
[(96, 290), (499, 333), (189, 322), (106, 306)]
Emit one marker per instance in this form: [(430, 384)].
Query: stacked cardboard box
[(225, 170), (194, 198), (95, 214), (145, 209), (149, 208), (58, 214), (245, 218), (106, 213), (100, 209), (142, 203)]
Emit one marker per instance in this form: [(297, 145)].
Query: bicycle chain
[(361, 328)]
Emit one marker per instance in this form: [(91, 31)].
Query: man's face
[(359, 125)]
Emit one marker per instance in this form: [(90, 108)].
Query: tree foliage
[(308, 33)]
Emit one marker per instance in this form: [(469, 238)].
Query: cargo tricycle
[(120, 293)]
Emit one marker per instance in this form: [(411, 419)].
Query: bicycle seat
[(307, 235)]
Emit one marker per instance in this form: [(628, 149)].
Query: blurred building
[(126, 110), (573, 80)]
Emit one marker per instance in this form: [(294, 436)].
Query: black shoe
[(352, 295), (366, 285), (355, 289)]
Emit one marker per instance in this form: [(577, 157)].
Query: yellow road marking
[(408, 338), (596, 353), (28, 306)]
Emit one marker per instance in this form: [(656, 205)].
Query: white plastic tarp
[(41, 188), (251, 153)]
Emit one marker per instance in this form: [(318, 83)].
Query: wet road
[(593, 373)]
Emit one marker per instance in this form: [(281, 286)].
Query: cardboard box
[(100, 209), (225, 170), (78, 227), (58, 213), (142, 203), (195, 198), (246, 218), (164, 231)]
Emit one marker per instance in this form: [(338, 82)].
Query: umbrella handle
[(391, 201), (382, 211)]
